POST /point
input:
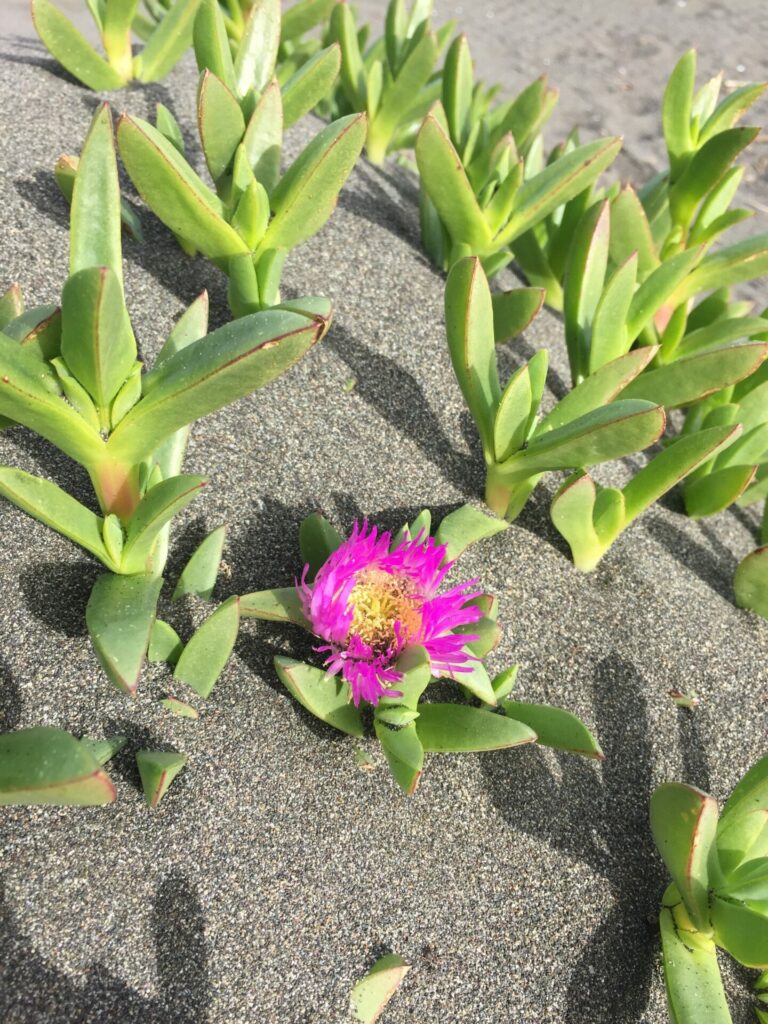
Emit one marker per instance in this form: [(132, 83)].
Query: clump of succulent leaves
[(719, 891), (608, 317), (72, 375), (166, 29), (45, 765), (393, 79), (616, 409), (409, 724), (256, 215), (485, 189)]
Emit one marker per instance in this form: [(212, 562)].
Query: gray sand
[(521, 885)]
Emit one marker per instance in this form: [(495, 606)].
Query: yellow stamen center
[(379, 600)]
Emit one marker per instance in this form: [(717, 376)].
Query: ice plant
[(374, 597), (167, 33), (72, 375), (719, 892), (256, 213), (394, 79), (384, 631)]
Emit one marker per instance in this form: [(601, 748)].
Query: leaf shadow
[(715, 567), (603, 816), (56, 594), (401, 401), (32, 988)]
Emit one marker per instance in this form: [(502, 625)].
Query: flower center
[(379, 600)]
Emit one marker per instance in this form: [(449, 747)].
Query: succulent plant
[(387, 631), (72, 376), (394, 79), (256, 215), (167, 33), (719, 891), (485, 191)]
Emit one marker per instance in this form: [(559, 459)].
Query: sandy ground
[(522, 886)]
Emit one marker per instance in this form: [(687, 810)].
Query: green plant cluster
[(664, 358)]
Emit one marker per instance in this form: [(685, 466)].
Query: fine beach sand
[(522, 886)]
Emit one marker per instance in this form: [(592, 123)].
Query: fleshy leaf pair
[(719, 890), (406, 726)]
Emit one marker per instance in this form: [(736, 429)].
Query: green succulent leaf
[(104, 750), (220, 121), (554, 727), (156, 508), (692, 977), (168, 42), (583, 286), (28, 396), (466, 526), (303, 16), (672, 465), (458, 728), (209, 374), (120, 614), (631, 233), (404, 754), (609, 339), (371, 995), (404, 90), (94, 238), (282, 604), (469, 327), (49, 766), (203, 659), (201, 571), (318, 539), (448, 186), (48, 503), (179, 708), (684, 823), (658, 289), (72, 50), (557, 184), (307, 193), (705, 169), (97, 341), (11, 306), (604, 434), (599, 388), (730, 110), (687, 380), (164, 643), (742, 931), (310, 84), (326, 697), (747, 882), (677, 110), (158, 769), (173, 191), (733, 264), (211, 42), (749, 794), (515, 310), (257, 50), (707, 495)]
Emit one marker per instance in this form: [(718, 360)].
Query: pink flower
[(369, 602)]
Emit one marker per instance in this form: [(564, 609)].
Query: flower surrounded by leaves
[(372, 598), (388, 627)]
